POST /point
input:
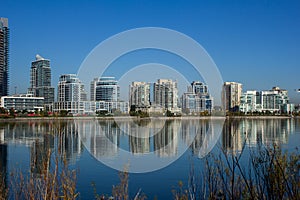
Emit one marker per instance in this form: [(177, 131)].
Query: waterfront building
[(4, 56), (275, 100), (195, 103), (197, 99), (91, 107), (23, 102), (248, 102), (199, 87), (111, 106), (70, 88), (40, 80), (71, 95), (166, 95), (231, 95), (93, 86), (139, 95), (105, 89)]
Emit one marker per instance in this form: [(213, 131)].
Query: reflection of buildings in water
[(139, 145), (255, 132), (3, 163), (41, 137), (40, 154), (36, 136), (232, 139), (2, 140), (68, 141), (166, 140), (26, 133), (100, 138), (196, 131), (269, 131), (140, 134)]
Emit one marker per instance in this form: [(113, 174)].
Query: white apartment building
[(91, 107), (70, 89), (197, 99), (139, 94), (104, 89), (166, 94), (275, 100), (23, 102)]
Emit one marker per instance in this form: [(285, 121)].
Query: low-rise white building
[(23, 102), (91, 107)]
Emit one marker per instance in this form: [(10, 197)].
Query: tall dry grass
[(270, 173), (55, 181)]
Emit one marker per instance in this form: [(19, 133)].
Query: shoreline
[(126, 118)]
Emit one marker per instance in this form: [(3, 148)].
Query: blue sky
[(253, 42)]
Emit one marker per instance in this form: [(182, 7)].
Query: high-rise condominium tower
[(166, 94), (40, 80), (4, 56), (231, 95), (139, 94), (105, 89), (70, 89)]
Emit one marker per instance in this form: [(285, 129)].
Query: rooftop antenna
[(15, 89)]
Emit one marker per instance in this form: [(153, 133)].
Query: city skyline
[(252, 42)]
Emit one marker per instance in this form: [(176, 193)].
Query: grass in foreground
[(270, 174)]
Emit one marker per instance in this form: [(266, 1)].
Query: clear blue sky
[(253, 42)]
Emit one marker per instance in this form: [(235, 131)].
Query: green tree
[(12, 112), (63, 113), (3, 110)]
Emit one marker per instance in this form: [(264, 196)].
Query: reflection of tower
[(232, 139), (106, 139), (100, 138), (139, 139), (255, 132), (69, 144), (166, 141), (201, 129), (40, 155), (276, 130), (3, 165), (139, 145)]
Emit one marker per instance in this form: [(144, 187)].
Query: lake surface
[(158, 153)]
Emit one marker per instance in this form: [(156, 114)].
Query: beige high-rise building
[(166, 94), (139, 94), (231, 95)]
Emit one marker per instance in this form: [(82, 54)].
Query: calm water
[(90, 146)]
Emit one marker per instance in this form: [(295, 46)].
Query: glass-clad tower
[(105, 89), (4, 56), (40, 80)]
